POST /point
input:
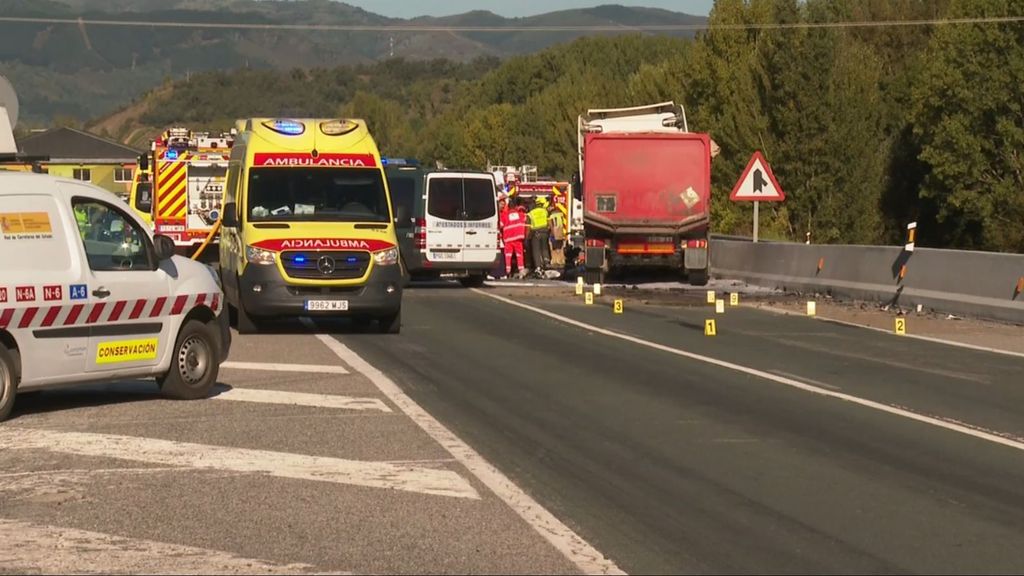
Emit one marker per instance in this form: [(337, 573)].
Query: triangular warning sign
[(758, 183)]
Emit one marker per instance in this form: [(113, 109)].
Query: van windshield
[(317, 195)]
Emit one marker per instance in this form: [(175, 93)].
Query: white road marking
[(273, 367), (409, 478), (989, 436), (302, 399), (784, 312), (577, 550), (36, 549), (804, 379)]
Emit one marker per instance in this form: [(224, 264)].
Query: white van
[(87, 295), (453, 231)]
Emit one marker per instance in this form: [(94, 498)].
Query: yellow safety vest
[(538, 218)]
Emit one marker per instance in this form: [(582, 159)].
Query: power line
[(500, 29)]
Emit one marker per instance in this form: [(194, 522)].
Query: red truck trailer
[(645, 183)]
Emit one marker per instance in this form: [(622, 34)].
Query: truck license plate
[(326, 305)]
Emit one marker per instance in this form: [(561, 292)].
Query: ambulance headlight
[(387, 257), (259, 256)]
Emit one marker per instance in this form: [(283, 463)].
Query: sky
[(514, 8)]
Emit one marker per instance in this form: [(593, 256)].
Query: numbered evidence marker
[(597, 289), (589, 298), (719, 306), (710, 329), (812, 308), (617, 308), (579, 286), (734, 299), (712, 297), (901, 326)]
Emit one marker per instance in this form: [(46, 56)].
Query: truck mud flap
[(695, 258), (595, 258)]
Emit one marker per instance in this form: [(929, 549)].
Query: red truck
[(645, 185)]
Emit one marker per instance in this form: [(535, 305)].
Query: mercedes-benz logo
[(325, 265)]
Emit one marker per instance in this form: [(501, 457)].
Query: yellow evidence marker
[(901, 326), (709, 328), (812, 308), (720, 307), (734, 299), (579, 286), (618, 307), (589, 298), (712, 297)]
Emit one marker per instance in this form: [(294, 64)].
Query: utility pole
[(392, 42)]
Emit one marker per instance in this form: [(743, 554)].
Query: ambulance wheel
[(8, 382), (472, 281), (194, 364), (390, 324), (243, 322)]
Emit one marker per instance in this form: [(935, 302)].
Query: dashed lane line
[(302, 399), (274, 367), (577, 550), (405, 477)]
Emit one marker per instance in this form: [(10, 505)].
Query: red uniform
[(513, 232)]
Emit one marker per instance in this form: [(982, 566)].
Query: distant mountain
[(67, 71)]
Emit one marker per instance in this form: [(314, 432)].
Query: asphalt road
[(782, 445)]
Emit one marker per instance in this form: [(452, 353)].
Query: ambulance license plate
[(326, 305)]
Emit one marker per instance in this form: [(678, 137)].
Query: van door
[(128, 295), (481, 217), (39, 279), (445, 226)]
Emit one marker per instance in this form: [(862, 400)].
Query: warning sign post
[(757, 184)]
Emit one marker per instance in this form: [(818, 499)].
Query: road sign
[(758, 183)]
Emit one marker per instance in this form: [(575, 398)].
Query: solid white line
[(408, 478), (820, 318), (969, 431), (272, 367), (577, 550), (302, 399), (803, 379), (36, 549)]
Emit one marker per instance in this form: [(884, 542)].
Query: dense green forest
[(866, 127)]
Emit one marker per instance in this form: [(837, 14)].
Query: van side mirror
[(230, 218), (143, 162), (164, 247), (401, 215)]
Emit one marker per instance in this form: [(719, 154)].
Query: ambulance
[(308, 228), (88, 295)]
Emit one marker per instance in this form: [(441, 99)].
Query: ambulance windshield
[(317, 195)]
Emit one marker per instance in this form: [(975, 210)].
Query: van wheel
[(8, 382), (390, 324), (472, 281), (194, 364)]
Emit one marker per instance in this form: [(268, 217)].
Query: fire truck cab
[(186, 172)]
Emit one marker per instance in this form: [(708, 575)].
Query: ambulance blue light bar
[(286, 127)]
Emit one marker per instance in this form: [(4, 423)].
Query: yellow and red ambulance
[(308, 227)]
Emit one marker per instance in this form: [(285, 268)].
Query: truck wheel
[(8, 382), (472, 281), (593, 276), (390, 324), (195, 363), (698, 278)]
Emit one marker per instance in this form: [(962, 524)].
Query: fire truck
[(186, 172), (645, 183)]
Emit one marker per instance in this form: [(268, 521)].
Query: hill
[(66, 71)]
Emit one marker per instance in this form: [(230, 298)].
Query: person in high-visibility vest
[(538, 217), (556, 224), (82, 218)]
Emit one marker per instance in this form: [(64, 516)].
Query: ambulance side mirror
[(230, 219), (163, 246)]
